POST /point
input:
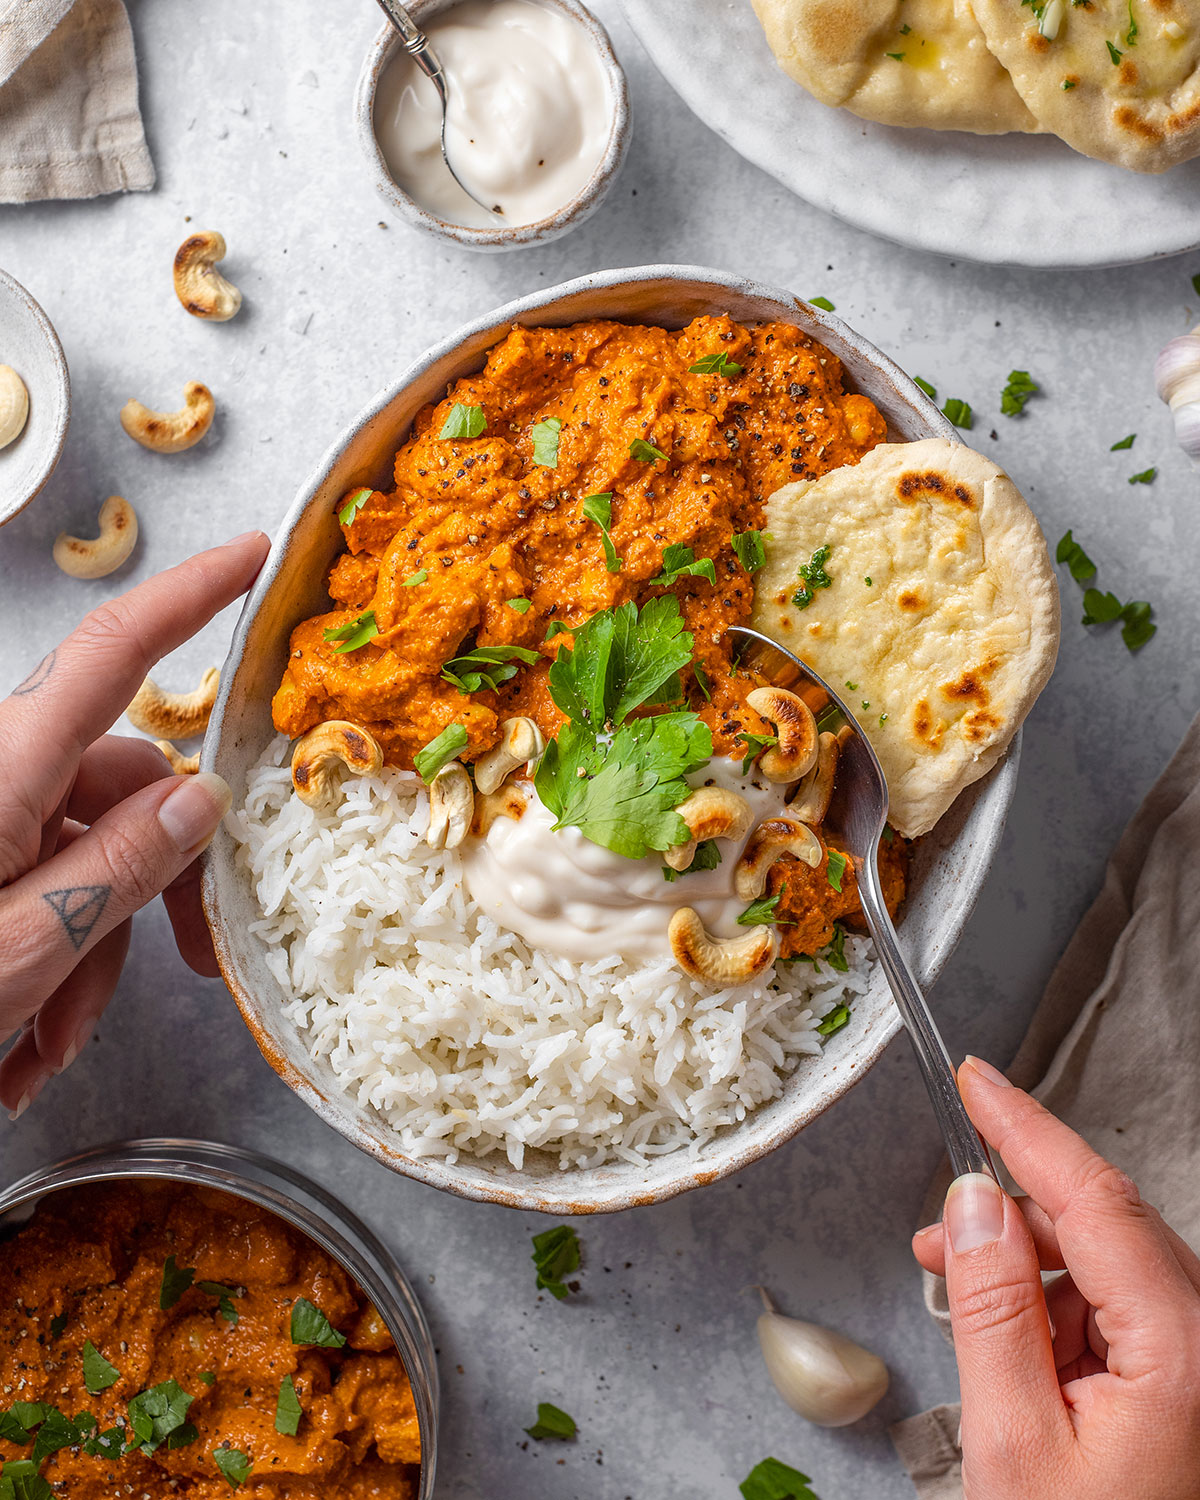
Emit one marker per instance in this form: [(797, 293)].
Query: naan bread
[(1137, 105), (902, 62), (940, 624)]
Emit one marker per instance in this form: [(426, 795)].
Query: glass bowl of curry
[(653, 309), (181, 1317)]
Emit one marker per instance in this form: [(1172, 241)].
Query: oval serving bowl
[(30, 345), (947, 871)]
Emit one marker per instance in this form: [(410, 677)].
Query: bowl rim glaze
[(963, 842), (570, 216), (61, 396)]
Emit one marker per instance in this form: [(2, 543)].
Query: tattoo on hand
[(36, 677), (78, 908)]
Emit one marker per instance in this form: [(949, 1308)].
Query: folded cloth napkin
[(1113, 1049), (69, 120)]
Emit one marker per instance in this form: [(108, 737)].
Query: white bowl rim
[(553, 1194), (62, 417)]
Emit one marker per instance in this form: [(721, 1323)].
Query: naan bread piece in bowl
[(918, 584), (1116, 79), (901, 62)]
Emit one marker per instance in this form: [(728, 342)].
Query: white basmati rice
[(466, 1040)]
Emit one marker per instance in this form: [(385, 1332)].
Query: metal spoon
[(416, 44), (861, 802)]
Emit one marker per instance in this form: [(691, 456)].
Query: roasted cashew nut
[(174, 716), (520, 741), (336, 742), (83, 558), (14, 405), (811, 802), (171, 431), (792, 720), (768, 842), (508, 802), (711, 812), (201, 288), (182, 765), (451, 807), (719, 961)]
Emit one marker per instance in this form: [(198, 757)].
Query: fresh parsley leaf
[(551, 1422), (620, 658), (706, 857), (836, 869), (760, 913), (206, 1377), (1115, 53), (1100, 608), (834, 1020), (234, 1464), (679, 561), (1137, 629), (224, 1296), (175, 1281), (57, 1431), (1068, 84), (555, 627), (1147, 476), (924, 385), (824, 302), (464, 422), (959, 413), (311, 1328), (772, 1480), (814, 575), (598, 508), (414, 579), (522, 606), (355, 635), (57, 1325), (156, 1413), (715, 364), (21, 1418), (98, 1374), (485, 666), (20, 1480), (1016, 393), (353, 505), (755, 743), (897, 57), (287, 1408), (443, 747), (1131, 35), (829, 719), (644, 452), (183, 1437), (834, 953), (889, 833), (107, 1444), (1124, 443), (555, 1255), (749, 549), (545, 442), (1069, 551)]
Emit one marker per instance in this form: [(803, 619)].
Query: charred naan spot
[(1128, 72), (964, 495), (910, 485), (912, 599), (1182, 119), (926, 730), (1037, 42), (980, 725), (970, 686)]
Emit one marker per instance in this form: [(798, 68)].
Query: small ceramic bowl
[(572, 214), (30, 345)]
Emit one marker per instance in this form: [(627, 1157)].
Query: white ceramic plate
[(1016, 200), (30, 345)]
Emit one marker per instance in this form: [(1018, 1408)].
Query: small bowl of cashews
[(35, 398)]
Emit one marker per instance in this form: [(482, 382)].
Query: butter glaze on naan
[(950, 643), (855, 54)]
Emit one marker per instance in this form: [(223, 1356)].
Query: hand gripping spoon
[(861, 800)]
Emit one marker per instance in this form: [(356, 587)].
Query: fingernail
[(974, 1212), (30, 1094), (985, 1070), (191, 813), (82, 1038), (236, 541)]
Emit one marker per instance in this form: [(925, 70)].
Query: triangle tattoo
[(78, 908)]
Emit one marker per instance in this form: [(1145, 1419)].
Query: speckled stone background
[(248, 116)]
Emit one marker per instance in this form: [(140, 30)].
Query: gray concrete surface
[(248, 115)]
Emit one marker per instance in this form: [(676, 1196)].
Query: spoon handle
[(966, 1149), (416, 44)]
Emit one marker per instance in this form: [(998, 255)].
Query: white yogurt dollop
[(528, 121), (566, 895)]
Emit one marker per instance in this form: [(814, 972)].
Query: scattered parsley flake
[(897, 56), (156, 1413), (312, 1329), (924, 385), (772, 1480), (834, 952), (555, 1255), (355, 635), (287, 1408), (760, 913), (1131, 35), (702, 679), (414, 579), (960, 413), (98, 1374), (58, 1325), (1147, 476), (1127, 442), (555, 627), (680, 561), (814, 575), (1017, 392), (755, 743), (1115, 53), (749, 550), (1196, 284), (824, 302), (521, 605), (443, 747), (353, 505), (175, 1281), (1068, 84), (1069, 551), (545, 442), (234, 1465), (836, 869), (486, 667), (715, 364), (834, 1020), (644, 452), (206, 1377), (224, 1296), (552, 1422), (598, 508), (464, 422)]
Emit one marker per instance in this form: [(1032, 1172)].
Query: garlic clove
[(1177, 381), (826, 1377)]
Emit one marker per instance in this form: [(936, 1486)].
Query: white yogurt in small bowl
[(537, 125)]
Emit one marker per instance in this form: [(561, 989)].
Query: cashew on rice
[(719, 961), (174, 716), (451, 807), (335, 743)]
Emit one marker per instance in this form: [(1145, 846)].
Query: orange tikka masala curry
[(484, 541), (212, 1376)]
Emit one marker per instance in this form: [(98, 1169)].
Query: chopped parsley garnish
[(1137, 629), (924, 385), (889, 833), (760, 913), (287, 1408), (58, 1325), (445, 746), (1069, 551), (1196, 283), (772, 1480), (824, 302), (1115, 53), (486, 666), (224, 1296), (898, 57), (960, 413), (836, 869), (749, 550), (834, 952), (414, 579), (206, 1377), (98, 1374), (715, 364), (555, 627), (1131, 35), (679, 561), (814, 575), (175, 1281), (1147, 476), (20, 1480), (521, 605), (354, 635), (1124, 443), (702, 679), (834, 1020), (1068, 84), (353, 505), (311, 1328), (644, 452), (555, 1255), (1017, 392), (156, 1413), (234, 1464), (830, 720), (598, 508), (464, 422), (551, 1422), (58, 1431), (545, 442), (755, 743)]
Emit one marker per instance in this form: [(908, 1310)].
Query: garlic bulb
[(1177, 380), (826, 1377)]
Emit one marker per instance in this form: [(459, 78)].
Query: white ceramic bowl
[(30, 345), (947, 871), (572, 214)]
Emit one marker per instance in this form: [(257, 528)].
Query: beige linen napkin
[(69, 120), (1115, 1044)]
